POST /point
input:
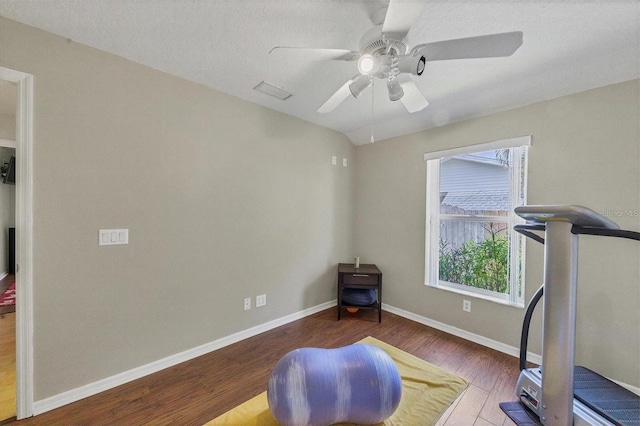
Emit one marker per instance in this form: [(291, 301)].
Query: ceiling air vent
[(271, 90)]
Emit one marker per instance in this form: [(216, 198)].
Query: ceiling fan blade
[(413, 99), (401, 14), (336, 99), (330, 54), (486, 46)]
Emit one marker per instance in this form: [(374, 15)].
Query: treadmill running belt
[(613, 402)]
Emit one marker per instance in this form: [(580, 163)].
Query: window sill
[(477, 295)]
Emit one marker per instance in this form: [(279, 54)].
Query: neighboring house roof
[(478, 200)]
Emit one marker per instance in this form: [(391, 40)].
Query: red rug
[(8, 298)]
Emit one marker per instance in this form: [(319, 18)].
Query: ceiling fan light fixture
[(396, 92), (368, 64), (413, 64), (359, 85)]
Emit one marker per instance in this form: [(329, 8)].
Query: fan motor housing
[(374, 42)]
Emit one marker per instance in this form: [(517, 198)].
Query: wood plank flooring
[(199, 390), (7, 356), (7, 365)]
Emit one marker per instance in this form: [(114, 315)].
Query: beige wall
[(585, 151), (7, 126), (223, 200)]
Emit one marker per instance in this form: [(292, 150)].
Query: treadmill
[(558, 392)]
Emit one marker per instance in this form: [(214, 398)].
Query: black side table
[(367, 276)]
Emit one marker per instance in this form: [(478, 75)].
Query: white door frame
[(24, 240)]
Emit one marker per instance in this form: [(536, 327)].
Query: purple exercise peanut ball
[(359, 383)]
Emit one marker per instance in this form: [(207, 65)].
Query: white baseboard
[(467, 335), (481, 340), (3, 274), (90, 389)]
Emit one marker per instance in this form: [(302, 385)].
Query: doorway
[(8, 102), (23, 316)]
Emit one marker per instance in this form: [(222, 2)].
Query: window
[(471, 246)]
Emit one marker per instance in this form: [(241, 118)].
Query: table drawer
[(361, 279)]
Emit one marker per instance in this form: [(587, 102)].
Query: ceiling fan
[(384, 54)]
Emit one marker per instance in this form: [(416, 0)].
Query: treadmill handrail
[(619, 233), (526, 323), (526, 231)]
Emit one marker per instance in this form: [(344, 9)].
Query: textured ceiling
[(568, 47)]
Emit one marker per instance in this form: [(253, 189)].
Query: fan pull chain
[(372, 96)]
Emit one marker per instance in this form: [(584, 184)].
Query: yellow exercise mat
[(427, 391)]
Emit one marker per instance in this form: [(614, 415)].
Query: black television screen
[(10, 174)]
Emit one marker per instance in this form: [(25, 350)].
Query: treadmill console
[(576, 215)]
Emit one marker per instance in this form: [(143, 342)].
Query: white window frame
[(432, 228)]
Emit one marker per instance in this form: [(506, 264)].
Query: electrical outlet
[(247, 303), (466, 305), (345, 162), (261, 300), (334, 160)]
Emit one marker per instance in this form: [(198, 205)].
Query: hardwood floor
[(199, 390), (7, 366), (7, 356)]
